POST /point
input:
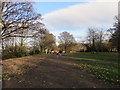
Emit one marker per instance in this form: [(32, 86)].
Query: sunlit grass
[(97, 65), (110, 75)]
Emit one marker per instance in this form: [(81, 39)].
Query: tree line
[(104, 40), (23, 33)]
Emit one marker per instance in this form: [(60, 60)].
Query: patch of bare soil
[(20, 65), (50, 71)]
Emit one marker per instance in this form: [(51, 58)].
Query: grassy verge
[(97, 65)]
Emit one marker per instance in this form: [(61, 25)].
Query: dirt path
[(56, 72)]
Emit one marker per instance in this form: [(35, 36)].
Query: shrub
[(34, 51), (21, 51), (14, 51)]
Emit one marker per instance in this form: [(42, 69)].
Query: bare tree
[(49, 41), (16, 18), (92, 37), (99, 41), (38, 38), (66, 40)]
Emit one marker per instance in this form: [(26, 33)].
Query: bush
[(21, 52), (34, 51), (14, 51), (37, 51)]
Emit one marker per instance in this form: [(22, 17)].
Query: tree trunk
[(93, 49)]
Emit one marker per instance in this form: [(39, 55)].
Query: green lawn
[(96, 56), (100, 65)]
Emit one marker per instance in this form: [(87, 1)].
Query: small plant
[(7, 75)]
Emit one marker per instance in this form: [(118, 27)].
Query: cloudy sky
[(76, 17)]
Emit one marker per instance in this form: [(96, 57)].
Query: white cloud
[(81, 16)]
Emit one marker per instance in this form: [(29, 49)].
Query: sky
[(77, 17)]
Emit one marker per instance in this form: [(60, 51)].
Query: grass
[(97, 65), (96, 56)]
